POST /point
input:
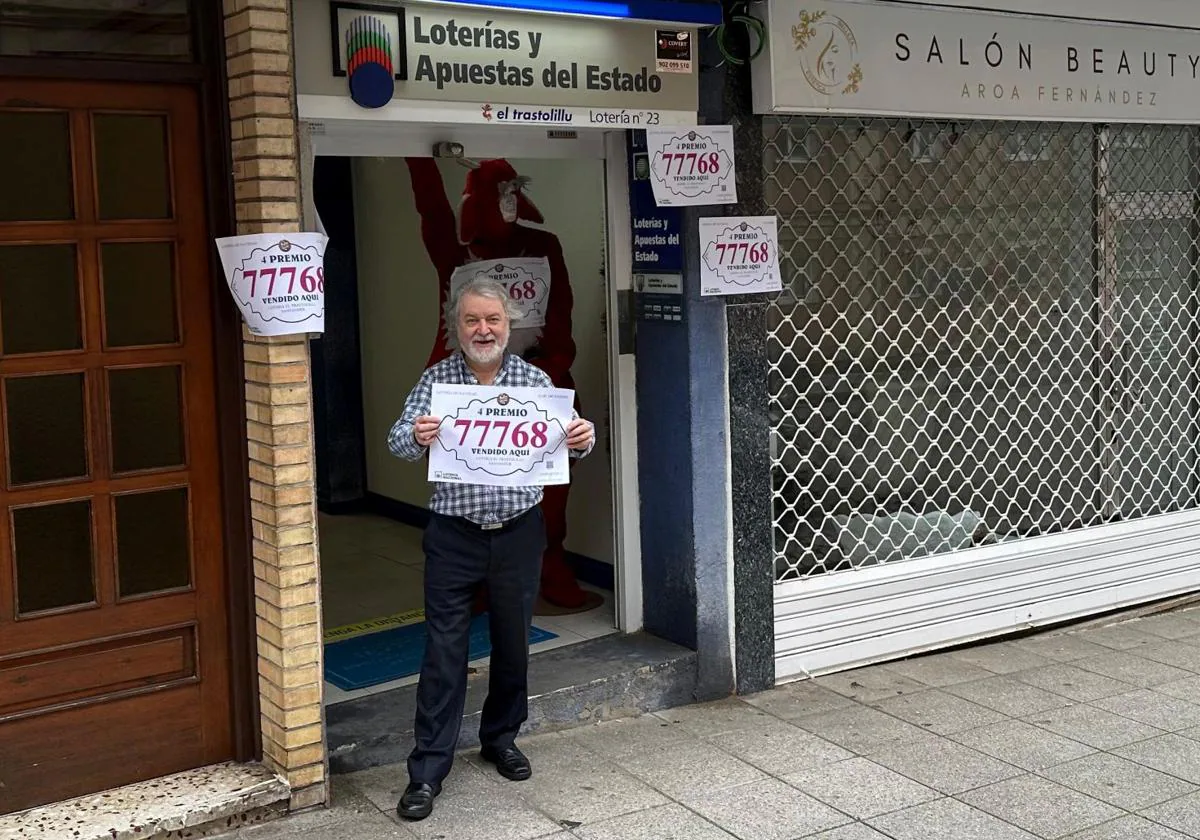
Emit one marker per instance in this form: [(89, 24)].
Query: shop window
[(126, 30), (990, 348), (1027, 145), (929, 142), (1153, 158)]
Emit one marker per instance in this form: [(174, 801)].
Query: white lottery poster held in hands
[(527, 280), (277, 280), (692, 166), (739, 255), (504, 437)]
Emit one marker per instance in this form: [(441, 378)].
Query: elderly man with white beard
[(476, 535)]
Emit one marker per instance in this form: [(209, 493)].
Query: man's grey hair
[(483, 288)]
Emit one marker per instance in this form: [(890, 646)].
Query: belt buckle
[(491, 526)]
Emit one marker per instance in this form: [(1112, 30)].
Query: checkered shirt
[(481, 504)]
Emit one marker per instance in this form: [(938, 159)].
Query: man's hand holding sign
[(580, 435), (497, 431), (425, 429)]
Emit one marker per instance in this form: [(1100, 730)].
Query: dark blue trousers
[(459, 558)]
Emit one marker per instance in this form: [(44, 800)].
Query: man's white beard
[(492, 354)]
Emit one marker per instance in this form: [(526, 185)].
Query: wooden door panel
[(38, 635), (163, 733), (124, 676), (91, 672)]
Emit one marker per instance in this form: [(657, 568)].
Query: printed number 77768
[(519, 437), (311, 279)]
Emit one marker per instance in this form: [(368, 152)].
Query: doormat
[(347, 631), (374, 658)]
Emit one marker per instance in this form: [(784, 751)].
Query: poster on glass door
[(692, 165), (277, 280), (739, 255), (526, 279)]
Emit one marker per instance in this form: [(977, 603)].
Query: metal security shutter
[(983, 372)]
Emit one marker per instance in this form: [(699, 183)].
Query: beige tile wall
[(278, 409)]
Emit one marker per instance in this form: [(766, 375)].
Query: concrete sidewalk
[(1088, 735)]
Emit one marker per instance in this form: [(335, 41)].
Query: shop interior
[(371, 558)]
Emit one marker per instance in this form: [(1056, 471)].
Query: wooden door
[(113, 631)]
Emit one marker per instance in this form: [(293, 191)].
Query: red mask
[(493, 200)]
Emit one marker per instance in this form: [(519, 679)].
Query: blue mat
[(388, 655)]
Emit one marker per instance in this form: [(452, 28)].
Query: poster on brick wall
[(277, 280)]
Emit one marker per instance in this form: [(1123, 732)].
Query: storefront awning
[(676, 12)]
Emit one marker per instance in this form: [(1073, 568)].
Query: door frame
[(353, 138), (207, 75)]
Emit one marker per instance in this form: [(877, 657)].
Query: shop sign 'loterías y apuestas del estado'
[(507, 66)]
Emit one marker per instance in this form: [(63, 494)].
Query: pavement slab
[(1119, 782), (1171, 753), (1091, 734), (1181, 815), (1094, 727), (1073, 682), (948, 819), (1040, 806), (1129, 828), (944, 765), (861, 729), (778, 747), (861, 788), (765, 810), (1025, 746), (939, 712), (1008, 696)]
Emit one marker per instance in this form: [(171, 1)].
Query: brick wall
[(278, 409)]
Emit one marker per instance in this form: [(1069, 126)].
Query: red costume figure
[(488, 229)]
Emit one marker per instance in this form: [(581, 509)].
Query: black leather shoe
[(510, 762), (417, 801)]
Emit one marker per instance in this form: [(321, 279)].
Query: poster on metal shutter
[(277, 280), (498, 436), (692, 166), (739, 255)]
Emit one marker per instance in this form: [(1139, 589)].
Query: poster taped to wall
[(503, 437), (277, 280), (692, 166), (739, 255)]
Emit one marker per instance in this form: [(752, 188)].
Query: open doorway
[(373, 506)]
